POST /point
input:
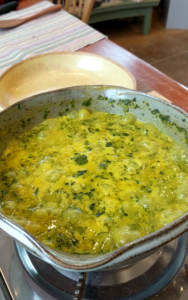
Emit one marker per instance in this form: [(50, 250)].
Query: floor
[(165, 49)]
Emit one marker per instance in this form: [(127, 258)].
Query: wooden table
[(143, 72)]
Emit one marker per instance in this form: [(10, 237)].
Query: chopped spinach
[(46, 113), (102, 166), (91, 206), (155, 111), (81, 160), (80, 173), (36, 191), (87, 102), (102, 98), (126, 102), (78, 196), (108, 145), (165, 118), (62, 241), (145, 188), (100, 213), (125, 214)]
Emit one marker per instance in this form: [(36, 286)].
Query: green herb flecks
[(87, 102), (46, 113), (72, 104), (81, 160), (100, 97), (108, 145), (100, 213), (36, 191), (80, 173), (102, 166), (128, 102), (23, 123), (61, 113), (145, 188), (155, 111), (91, 206), (78, 196), (165, 118)]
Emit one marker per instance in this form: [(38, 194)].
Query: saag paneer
[(92, 182)]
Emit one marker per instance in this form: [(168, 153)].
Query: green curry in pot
[(92, 182)]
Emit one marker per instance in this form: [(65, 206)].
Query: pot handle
[(22, 236)]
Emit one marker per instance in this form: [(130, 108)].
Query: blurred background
[(165, 47)]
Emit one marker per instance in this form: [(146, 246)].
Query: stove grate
[(136, 282)]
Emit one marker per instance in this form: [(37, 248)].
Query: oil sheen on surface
[(89, 183)]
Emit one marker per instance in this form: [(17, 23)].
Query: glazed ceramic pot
[(25, 114)]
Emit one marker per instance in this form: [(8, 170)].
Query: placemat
[(52, 32)]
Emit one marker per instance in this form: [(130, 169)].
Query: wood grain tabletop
[(145, 74), (148, 78)]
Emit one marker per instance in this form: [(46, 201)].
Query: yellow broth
[(89, 183)]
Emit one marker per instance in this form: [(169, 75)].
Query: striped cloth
[(54, 32)]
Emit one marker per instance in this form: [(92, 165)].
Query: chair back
[(79, 8)]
